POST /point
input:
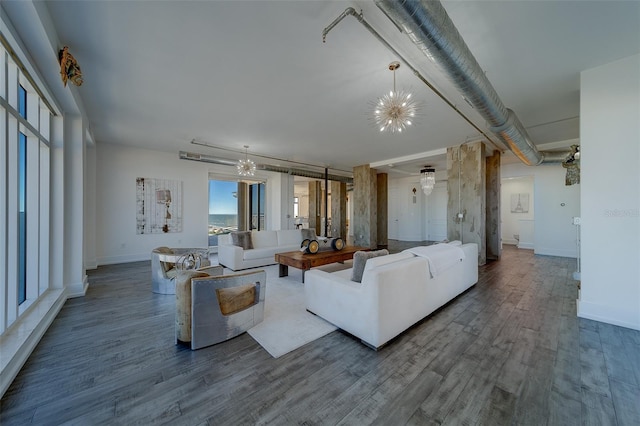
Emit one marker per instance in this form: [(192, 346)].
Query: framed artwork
[(520, 203), (158, 206)]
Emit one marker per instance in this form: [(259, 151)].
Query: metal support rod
[(326, 202)]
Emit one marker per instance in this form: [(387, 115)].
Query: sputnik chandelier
[(427, 179), (395, 111), (245, 166)]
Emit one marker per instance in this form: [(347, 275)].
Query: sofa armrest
[(342, 302), (230, 256)]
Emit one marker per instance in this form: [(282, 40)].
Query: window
[(257, 205), (296, 207), (223, 209), (24, 201)]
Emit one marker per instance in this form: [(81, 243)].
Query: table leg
[(283, 270)]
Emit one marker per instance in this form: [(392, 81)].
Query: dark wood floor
[(509, 351)]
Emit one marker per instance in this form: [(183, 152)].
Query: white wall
[(555, 205), (511, 221), (610, 159), (117, 168), (409, 220)]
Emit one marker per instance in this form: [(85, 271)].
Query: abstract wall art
[(158, 206)]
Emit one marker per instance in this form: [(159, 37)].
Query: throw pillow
[(308, 234), (242, 239), (360, 260)]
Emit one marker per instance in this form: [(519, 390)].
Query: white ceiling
[(159, 74)]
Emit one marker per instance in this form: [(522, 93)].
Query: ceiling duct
[(267, 167), (427, 24)]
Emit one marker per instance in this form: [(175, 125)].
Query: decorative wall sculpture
[(69, 68), (158, 206)]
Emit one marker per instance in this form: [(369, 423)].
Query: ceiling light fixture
[(427, 179), (246, 167), (395, 111)]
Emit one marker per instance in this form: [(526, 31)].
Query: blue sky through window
[(221, 199)]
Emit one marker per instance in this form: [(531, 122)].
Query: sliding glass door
[(257, 202)]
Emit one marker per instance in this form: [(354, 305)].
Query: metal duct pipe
[(351, 11), (429, 27), (269, 168)]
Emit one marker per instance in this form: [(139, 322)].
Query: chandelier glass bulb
[(245, 166), (427, 179), (395, 111)]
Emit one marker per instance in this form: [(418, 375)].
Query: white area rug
[(287, 325)]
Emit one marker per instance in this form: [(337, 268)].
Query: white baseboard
[(606, 314), (22, 337), (78, 289), (91, 264), (126, 258), (546, 251), (527, 246)]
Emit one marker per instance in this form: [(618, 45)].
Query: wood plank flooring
[(508, 351)]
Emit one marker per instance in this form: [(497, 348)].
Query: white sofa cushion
[(262, 239), (289, 237), (259, 253), (383, 260)]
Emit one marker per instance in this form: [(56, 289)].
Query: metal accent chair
[(166, 262), (212, 309)]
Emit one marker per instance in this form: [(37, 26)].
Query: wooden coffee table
[(306, 261)]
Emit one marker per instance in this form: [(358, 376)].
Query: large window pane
[(257, 199), (22, 102), (22, 218), (223, 209)]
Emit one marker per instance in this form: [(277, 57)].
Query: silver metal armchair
[(212, 309), (166, 262)]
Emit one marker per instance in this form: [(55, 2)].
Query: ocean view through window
[(223, 209)]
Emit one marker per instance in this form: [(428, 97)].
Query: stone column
[(494, 235), (243, 206), (339, 210), (315, 206), (382, 209), (365, 212), (466, 213)]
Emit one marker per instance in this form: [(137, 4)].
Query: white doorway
[(437, 212), (517, 213)]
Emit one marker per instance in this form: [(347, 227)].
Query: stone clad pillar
[(315, 207), (494, 235), (339, 210), (365, 224), (466, 185), (243, 206), (382, 210)]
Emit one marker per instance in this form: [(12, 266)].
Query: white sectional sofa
[(265, 245), (396, 291)]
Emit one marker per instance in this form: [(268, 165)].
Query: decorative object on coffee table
[(306, 261), (321, 243)]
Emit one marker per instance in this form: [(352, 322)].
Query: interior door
[(437, 208)]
